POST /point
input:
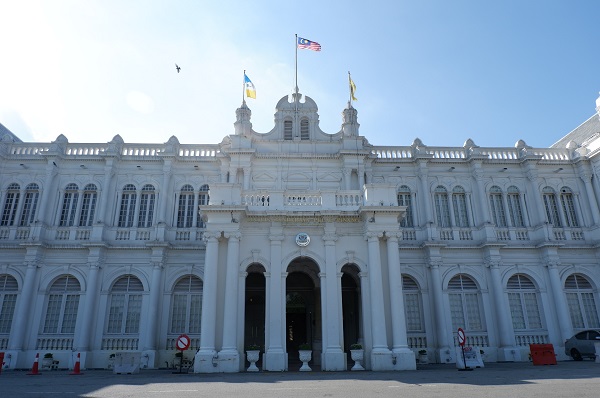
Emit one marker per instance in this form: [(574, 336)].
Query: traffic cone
[(77, 367), (34, 368)]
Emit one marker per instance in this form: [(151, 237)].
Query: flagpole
[(296, 46), (244, 88), (349, 89)]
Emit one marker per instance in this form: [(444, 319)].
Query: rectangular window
[(195, 313), (29, 206), (127, 210), (134, 310), (70, 314), (591, 313), (516, 214), (516, 311), (115, 314), (456, 311), (569, 210), (534, 320), (412, 312), (552, 210), (53, 314), (473, 312), (460, 210), (88, 208), (442, 210), (498, 215), (575, 311), (178, 314), (404, 199), (10, 209), (6, 312)]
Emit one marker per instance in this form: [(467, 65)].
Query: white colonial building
[(296, 236)]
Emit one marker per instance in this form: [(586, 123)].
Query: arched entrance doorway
[(254, 315), (303, 310), (351, 306)]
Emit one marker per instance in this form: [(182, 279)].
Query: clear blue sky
[(443, 71)]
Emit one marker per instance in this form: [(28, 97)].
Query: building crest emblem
[(302, 239)]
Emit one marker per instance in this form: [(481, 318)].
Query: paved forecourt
[(581, 379)]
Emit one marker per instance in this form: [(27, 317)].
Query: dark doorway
[(351, 306), (254, 314)]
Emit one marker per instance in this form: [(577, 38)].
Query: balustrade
[(523, 339), (120, 343), (416, 340), (54, 343)]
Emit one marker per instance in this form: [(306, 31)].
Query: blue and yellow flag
[(250, 90)]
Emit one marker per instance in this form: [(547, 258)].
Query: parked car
[(582, 345)]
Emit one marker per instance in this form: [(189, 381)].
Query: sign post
[(461, 342), (183, 343)]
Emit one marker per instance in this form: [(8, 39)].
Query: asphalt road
[(566, 379)]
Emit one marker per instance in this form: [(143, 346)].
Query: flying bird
[(177, 67)]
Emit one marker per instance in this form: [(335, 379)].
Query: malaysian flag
[(304, 44)]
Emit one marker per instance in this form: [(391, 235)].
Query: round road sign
[(183, 342), (461, 337)]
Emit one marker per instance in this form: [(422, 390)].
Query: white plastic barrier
[(127, 363)]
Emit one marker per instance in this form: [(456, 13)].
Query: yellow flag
[(352, 88)]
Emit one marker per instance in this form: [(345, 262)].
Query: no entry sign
[(183, 342), (461, 337)]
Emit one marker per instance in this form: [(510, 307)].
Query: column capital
[(276, 238), (434, 263), (233, 235), (392, 236), (551, 264), (98, 264), (370, 236), (211, 236), (492, 262), (330, 239)]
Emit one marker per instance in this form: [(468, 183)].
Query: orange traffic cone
[(34, 369), (77, 367)]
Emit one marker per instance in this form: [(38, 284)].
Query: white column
[(231, 296), (375, 283), (104, 192), (399, 338), (560, 303), (334, 357), (425, 195), (154, 307), (209, 294), (481, 195), (503, 318), (44, 213), (589, 190), (23, 310), (275, 357), (535, 195), (90, 312), (438, 299), (164, 192)]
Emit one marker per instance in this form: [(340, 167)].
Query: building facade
[(296, 236)]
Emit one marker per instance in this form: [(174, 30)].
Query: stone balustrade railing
[(120, 343), (463, 153), (49, 343)]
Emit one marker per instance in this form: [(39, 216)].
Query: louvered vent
[(189, 283), (8, 284), (577, 282), (128, 283), (462, 282), (520, 282), (409, 283), (66, 283)]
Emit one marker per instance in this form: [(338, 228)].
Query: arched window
[(125, 303), (404, 199), (514, 207), (442, 211), (304, 133), (524, 303), (11, 201), (551, 206), (459, 203), (88, 206), (497, 207), (8, 300), (32, 194), (69, 206), (63, 302), (581, 301), (147, 201), (287, 130), (186, 305), (568, 205), (465, 303), (413, 305), (185, 211), (127, 211), (203, 200)]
